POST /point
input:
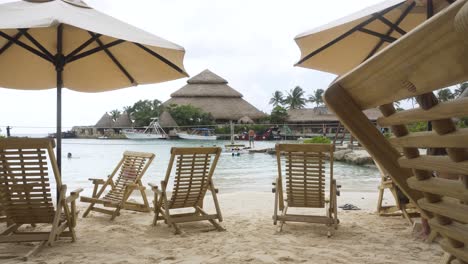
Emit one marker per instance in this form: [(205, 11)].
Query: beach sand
[(251, 237)]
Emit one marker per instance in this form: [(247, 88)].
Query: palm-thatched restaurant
[(213, 95), (308, 122)]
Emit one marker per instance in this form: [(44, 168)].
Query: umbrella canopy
[(65, 43), (345, 43)]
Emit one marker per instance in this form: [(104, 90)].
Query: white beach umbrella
[(64, 43), (345, 43)]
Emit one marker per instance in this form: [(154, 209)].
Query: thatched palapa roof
[(123, 121), (166, 120), (212, 94), (323, 114), (105, 122)]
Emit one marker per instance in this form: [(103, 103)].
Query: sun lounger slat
[(444, 110), (443, 187), (433, 140), (454, 230), (435, 163)]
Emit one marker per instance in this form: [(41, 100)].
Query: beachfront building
[(212, 94), (319, 120)]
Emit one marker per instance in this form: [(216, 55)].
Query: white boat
[(152, 131), (198, 134)]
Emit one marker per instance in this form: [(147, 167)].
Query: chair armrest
[(155, 188), (153, 185), (276, 183), (73, 195), (135, 186), (215, 189), (97, 181)]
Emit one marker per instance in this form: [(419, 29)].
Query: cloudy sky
[(249, 43)]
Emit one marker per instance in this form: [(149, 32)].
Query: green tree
[(278, 115), (127, 109), (189, 115), (295, 98), (143, 110), (317, 97), (114, 114), (445, 95), (277, 98)]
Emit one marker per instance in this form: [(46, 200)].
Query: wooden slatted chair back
[(413, 68), (130, 169), (24, 180), (305, 170), (194, 168)]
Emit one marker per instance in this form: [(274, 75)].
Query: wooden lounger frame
[(193, 178), (432, 56), (130, 170), (26, 194), (407, 211), (305, 184)]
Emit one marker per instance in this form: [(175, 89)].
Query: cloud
[(249, 43)]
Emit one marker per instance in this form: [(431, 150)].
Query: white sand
[(363, 237)]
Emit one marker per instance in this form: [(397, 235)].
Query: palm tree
[(295, 98), (127, 109), (114, 114), (317, 97), (445, 94), (277, 99)]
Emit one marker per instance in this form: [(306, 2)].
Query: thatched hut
[(104, 124), (123, 121), (212, 94), (166, 120), (315, 120)]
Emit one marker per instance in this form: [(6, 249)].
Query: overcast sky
[(249, 43)]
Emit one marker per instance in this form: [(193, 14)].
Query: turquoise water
[(94, 158)]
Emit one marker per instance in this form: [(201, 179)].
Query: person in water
[(251, 138), (69, 155)]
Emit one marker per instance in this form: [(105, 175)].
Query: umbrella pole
[(59, 63)]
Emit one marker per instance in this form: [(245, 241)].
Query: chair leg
[(285, 210), (275, 211), (90, 207), (212, 221), (156, 209), (34, 250), (116, 213)]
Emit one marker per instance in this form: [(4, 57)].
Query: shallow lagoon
[(95, 158)]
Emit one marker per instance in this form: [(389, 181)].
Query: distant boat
[(198, 134), (152, 131)]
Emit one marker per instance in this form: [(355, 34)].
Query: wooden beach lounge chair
[(128, 173), (305, 184), (26, 194), (432, 56), (402, 207), (194, 168)]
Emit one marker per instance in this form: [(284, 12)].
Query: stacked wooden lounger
[(432, 56)]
